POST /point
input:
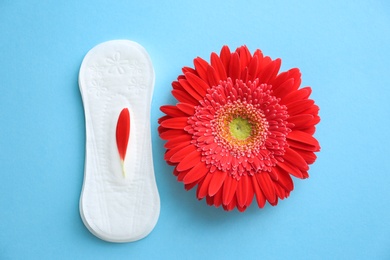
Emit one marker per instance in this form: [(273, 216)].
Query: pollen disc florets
[(240, 128)]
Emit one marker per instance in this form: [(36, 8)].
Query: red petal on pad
[(123, 132)]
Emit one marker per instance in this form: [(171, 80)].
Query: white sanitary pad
[(115, 207)]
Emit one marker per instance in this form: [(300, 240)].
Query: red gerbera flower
[(240, 129)]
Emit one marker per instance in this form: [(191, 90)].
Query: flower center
[(240, 128)]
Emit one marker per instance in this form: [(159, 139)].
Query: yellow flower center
[(240, 128)]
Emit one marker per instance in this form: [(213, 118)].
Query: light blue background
[(342, 48)]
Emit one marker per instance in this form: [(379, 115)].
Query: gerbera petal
[(252, 68), (179, 139), (184, 97), (175, 123), (188, 69), (191, 90), (232, 204), (284, 179), (242, 190), (181, 153), (270, 71), (296, 107), (225, 57), (216, 182), (209, 200), (197, 83), (299, 94), (260, 198), (284, 88), (172, 111), (288, 167), (263, 63), (267, 186), (308, 156), (250, 192), (203, 186), (218, 198), (190, 185), (301, 121), (195, 173), (245, 56), (280, 191), (229, 189), (169, 153), (302, 146), (171, 133), (212, 76), (303, 137), (181, 175), (186, 108), (201, 67), (235, 67), (218, 66), (294, 158), (189, 161)]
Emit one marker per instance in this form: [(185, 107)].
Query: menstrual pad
[(119, 200)]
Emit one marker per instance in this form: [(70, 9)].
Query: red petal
[(260, 198), (216, 182), (123, 132), (235, 67), (298, 106), (284, 88), (301, 121), (299, 94), (291, 169), (171, 133), (303, 137), (269, 73), (172, 111), (203, 187), (169, 153), (218, 66), (242, 190), (309, 157), (175, 123), (201, 67), (245, 56), (267, 186), (178, 140), (229, 189), (294, 158), (188, 69), (302, 146), (183, 96), (197, 83), (180, 154), (189, 161), (225, 57), (186, 108), (195, 173), (284, 179), (218, 198), (232, 204), (190, 89), (253, 68), (250, 193), (212, 76)]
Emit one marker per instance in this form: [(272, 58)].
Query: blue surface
[(342, 48)]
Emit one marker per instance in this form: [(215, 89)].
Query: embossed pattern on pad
[(115, 75)]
